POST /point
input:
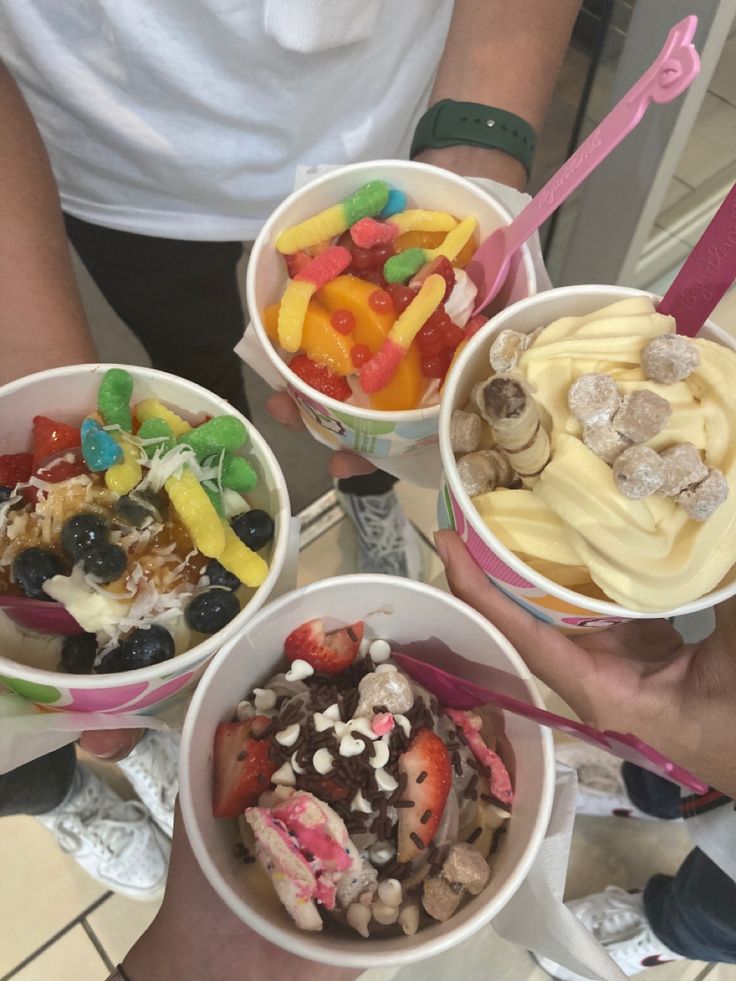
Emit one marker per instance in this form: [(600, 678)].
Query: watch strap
[(450, 123)]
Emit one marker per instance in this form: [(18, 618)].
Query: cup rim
[(290, 377), (606, 607), (303, 943), (194, 656)]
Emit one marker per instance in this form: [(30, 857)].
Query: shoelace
[(383, 525), (601, 778), (162, 773), (109, 835)]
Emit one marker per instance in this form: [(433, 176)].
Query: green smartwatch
[(449, 123)]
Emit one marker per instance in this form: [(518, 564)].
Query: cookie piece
[(669, 358), (642, 415), (704, 499), (593, 398), (638, 472), (682, 468)]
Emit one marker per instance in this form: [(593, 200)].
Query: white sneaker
[(617, 920), (153, 771), (115, 841), (387, 541), (601, 789)]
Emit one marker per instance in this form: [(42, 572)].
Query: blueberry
[(78, 653), (81, 532), (145, 646), (32, 567), (219, 576), (254, 528), (211, 610), (105, 562), (112, 662), (5, 493), (136, 510)]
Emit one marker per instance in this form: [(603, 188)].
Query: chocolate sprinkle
[(422, 776), (417, 840), (457, 763), (405, 803), (496, 840), (425, 817), (474, 835)]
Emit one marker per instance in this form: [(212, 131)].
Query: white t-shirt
[(187, 118)]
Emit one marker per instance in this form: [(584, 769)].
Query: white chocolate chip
[(409, 919), (321, 722), (359, 803), (384, 781), (384, 914), (296, 766), (380, 651), (350, 746), (381, 852), (386, 668), (299, 670), (380, 755), (389, 892), (322, 761), (364, 646), (244, 711), (358, 917), (403, 722), (333, 712), (264, 699), (362, 725), (284, 775), (288, 736)]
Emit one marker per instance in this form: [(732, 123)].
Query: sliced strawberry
[(242, 766), (15, 468), (296, 262), (60, 469), (426, 764), (51, 437), (321, 378), (327, 653), (442, 267)]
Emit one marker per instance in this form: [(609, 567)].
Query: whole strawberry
[(330, 653)]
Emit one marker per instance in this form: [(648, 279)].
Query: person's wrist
[(475, 161)]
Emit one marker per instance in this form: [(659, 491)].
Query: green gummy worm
[(215, 498), (238, 474), (214, 436), (403, 265), (157, 428), (367, 201), (113, 398)]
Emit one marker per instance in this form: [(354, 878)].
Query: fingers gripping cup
[(407, 616), (628, 513), (67, 504), (341, 308)]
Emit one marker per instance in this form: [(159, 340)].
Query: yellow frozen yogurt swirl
[(646, 555)]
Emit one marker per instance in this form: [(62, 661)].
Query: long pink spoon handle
[(667, 77), (707, 273)]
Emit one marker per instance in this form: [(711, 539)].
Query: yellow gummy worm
[(456, 240), (153, 409), (419, 220), (418, 312), (197, 513), (326, 225), (122, 477), (292, 311), (242, 561)]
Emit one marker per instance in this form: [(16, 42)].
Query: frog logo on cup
[(318, 414)]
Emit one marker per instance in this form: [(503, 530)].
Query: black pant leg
[(652, 794), (180, 298), (38, 786)]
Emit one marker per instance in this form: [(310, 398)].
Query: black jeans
[(38, 786), (694, 911), (181, 300)]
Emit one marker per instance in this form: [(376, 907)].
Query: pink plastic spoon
[(667, 77), (707, 273), (455, 692)]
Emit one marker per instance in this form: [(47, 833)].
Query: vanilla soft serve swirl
[(573, 524)]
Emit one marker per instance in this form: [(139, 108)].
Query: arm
[(503, 54), (42, 324)]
